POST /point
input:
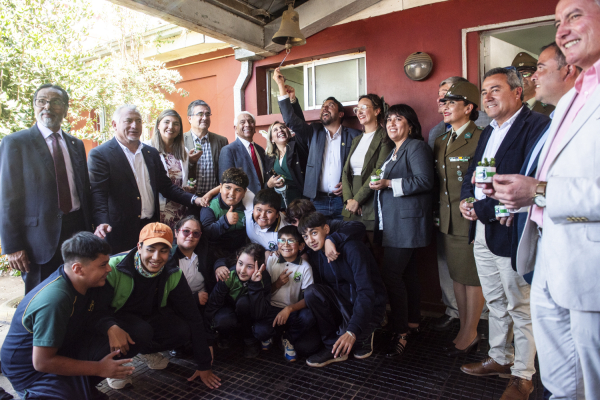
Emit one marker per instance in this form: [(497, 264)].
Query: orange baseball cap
[(157, 233)]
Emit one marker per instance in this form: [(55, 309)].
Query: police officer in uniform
[(527, 65), (453, 151)]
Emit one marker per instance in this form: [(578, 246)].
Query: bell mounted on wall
[(289, 33)]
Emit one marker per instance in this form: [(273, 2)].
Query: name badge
[(459, 159)]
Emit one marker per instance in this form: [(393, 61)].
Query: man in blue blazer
[(244, 153), (509, 138), (126, 177), (42, 202), (328, 145)]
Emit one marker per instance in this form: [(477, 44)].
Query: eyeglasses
[(288, 241), (203, 114), (362, 108), (53, 103), (526, 74), (187, 232)]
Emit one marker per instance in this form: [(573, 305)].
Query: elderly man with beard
[(328, 144), (44, 189)]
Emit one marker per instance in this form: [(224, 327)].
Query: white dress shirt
[(142, 177), (247, 146), (358, 157), (189, 267), (331, 168), (493, 144), (46, 133)]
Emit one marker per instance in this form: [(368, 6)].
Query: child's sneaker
[(155, 360), (266, 345), (289, 351)]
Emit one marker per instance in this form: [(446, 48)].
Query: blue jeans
[(330, 207)]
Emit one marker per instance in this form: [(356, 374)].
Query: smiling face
[(154, 256), (244, 267), (50, 116), (289, 251), (128, 128), (169, 128), (232, 194), (441, 93), (578, 31), (280, 134), (200, 123), (369, 114), (549, 79), (397, 127), (264, 215), (315, 237), (330, 113), (191, 229), (245, 127), (456, 112), (499, 101), (94, 272)]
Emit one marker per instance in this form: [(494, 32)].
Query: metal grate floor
[(423, 372)]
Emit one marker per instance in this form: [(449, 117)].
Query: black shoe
[(251, 350), (395, 348), (443, 323), (323, 358), (473, 346), (364, 349)]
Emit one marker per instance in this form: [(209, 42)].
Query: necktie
[(256, 165), (452, 138), (60, 170)]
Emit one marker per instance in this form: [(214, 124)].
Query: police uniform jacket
[(451, 164)]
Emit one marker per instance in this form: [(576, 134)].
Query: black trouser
[(232, 319), (71, 224), (401, 280), (333, 314), (300, 329), (162, 331)]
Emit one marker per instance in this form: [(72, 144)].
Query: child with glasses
[(290, 276)]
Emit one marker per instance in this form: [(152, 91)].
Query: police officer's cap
[(464, 91), (524, 60)]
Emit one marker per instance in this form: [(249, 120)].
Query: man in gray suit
[(204, 147), (561, 235)]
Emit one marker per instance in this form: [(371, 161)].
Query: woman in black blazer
[(403, 219), (284, 160)]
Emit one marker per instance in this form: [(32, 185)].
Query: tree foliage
[(41, 41)]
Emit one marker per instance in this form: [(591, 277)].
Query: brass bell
[(289, 33)]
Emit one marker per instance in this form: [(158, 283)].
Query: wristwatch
[(539, 198)]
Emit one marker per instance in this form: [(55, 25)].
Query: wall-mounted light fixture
[(418, 66)]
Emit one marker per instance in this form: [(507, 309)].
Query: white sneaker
[(155, 360), (119, 383), (289, 351)]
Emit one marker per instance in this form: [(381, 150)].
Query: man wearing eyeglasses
[(526, 65), (44, 189), (204, 147)]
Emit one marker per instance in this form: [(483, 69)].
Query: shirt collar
[(297, 261), (272, 228), (244, 141), (139, 149), (508, 123), (589, 78), (200, 140), (530, 102), (461, 129), (45, 131), (336, 135)]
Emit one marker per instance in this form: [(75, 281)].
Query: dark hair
[(292, 231), (237, 176), (560, 58), (310, 221), (339, 105), (268, 197), (377, 105), (63, 92), (178, 146), (513, 78), (406, 111), (183, 220), (255, 250), (83, 247), (297, 209), (474, 116), (196, 103)]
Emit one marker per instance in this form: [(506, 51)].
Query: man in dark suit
[(126, 177), (204, 147), (44, 189), (244, 153), (509, 138), (328, 145)]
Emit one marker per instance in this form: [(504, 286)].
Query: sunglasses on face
[(288, 241), (187, 232)]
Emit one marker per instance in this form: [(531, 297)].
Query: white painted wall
[(387, 7), (502, 53)]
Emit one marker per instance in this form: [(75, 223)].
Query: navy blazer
[(116, 199), (311, 139), (30, 219), (236, 155), (520, 139)]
